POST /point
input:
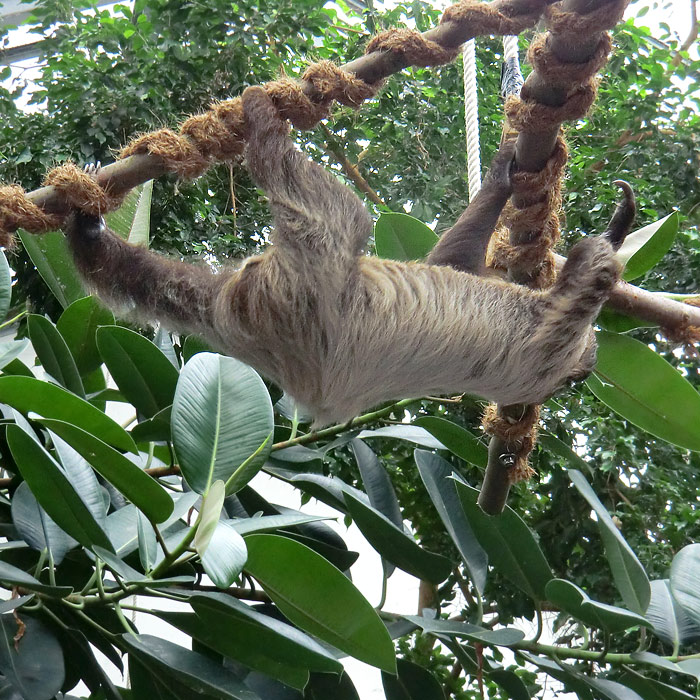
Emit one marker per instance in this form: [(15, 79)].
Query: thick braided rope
[(532, 216), (219, 133)]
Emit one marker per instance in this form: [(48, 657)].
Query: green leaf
[(141, 489), (378, 486), (269, 523), (317, 597), (261, 642), (436, 472), (132, 220), (199, 673), (156, 429), (684, 578), (394, 545), (646, 390), (413, 682), (571, 599), (224, 558), (35, 526), (221, 416), (141, 371), (244, 647), (645, 247), (53, 353), (671, 623), (53, 491), (456, 439), (82, 477), (561, 449), (650, 689), (411, 433), (33, 665), (28, 394), (5, 286), (627, 571), (511, 683), (402, 237), (78, 325), (209, 515), (505, 636), (380, 490), (52, 259), (11, 351), (16, 577), (509, 543)]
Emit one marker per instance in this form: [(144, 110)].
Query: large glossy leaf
[(685, 580), (142, 372), (327, 489), (646, 390), (132, 220), (436, 473), (34, 664), (5, 286), (569, 598), (645, 247), (199, 673), (506, 636), (650, 689), (209, 515), (50, 401), (222, 415), (413, 682), (53, 491), (402, 237), (35, 526), (141, 489), (82, 477), (268, 523), (243, 646), (456, 439), (51, 257), (377, 483), (394, 545), (11, 351), (317, 597), (225, 556), (411, 433), (78, 325), (260, 641), (509, 543), (379, 488), (53, 353), (671, 622), (627, 571)]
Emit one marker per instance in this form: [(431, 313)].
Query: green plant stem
[(315, 435), (181, 548), (9, 322)]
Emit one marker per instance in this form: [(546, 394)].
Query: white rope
[(471, 118), (510, 47)]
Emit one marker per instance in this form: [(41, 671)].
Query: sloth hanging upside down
[(341, 331)]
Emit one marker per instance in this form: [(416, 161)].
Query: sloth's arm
[(464, 245), (141, 282)]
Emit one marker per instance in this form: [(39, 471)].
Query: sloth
[(341, 331)]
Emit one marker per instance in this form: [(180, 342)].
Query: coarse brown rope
[(219, 133), (531, 221)]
